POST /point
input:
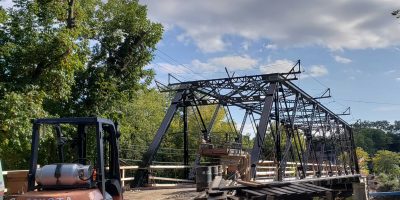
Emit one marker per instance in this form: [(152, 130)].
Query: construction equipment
[(85, 165)]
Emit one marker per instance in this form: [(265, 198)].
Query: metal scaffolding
[(301, 128)]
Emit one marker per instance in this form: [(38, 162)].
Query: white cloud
[(271, 46), (278, 66), (234, 62), (318, 70), (203, 66), (183, 38), (169, 68), (245, 46), (398, 79), (389, 72), (315, 71), (343, 24), (343, 60)]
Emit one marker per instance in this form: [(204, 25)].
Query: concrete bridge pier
[(359, 191)]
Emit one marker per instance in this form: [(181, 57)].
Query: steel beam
[(142, 172), (185, 141), (262, 127)]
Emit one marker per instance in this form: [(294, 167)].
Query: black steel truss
[(312, 132)]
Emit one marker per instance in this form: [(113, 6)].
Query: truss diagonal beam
[(262, 127)]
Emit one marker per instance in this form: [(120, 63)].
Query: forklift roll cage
[(101, 125)]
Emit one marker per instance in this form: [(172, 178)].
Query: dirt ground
[(157, 194)]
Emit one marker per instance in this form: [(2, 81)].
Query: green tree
[(386, 162), (363, 159), (388, 183), (16, 111), (69, 58), (372, 139)]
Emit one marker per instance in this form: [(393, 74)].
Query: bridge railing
[(265, 172)]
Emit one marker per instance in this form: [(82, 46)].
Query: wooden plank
[(169, 166), (294, 189), (307, 187), (272, 190), (301, 188), (252, 192), (168, 185), (268, 192), (272, 173), (231, 197), (286, 192), (251, 183), (318, 187), (128, 179), (216, 182), (170, 179)]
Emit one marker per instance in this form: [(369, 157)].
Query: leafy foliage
[(378, 135), (387, 162), (70, 58), (363, 159), (18, 108), (388, 183)]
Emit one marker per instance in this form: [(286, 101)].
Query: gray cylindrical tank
[(203, 177), (65, 174)]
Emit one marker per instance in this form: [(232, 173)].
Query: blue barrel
[(203, 177)]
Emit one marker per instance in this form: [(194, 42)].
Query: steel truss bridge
[(300, 129)]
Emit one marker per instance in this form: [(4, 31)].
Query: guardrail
[(124, 178), (264, 169)]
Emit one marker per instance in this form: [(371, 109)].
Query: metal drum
[(214, 171), (203, 177), (220, 170)]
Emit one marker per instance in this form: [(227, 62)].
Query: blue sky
[(350, 46)]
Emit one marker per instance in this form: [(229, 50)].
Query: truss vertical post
[(354, 153), (278, 152), (185, 141), (142, 172), (262, 127)]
